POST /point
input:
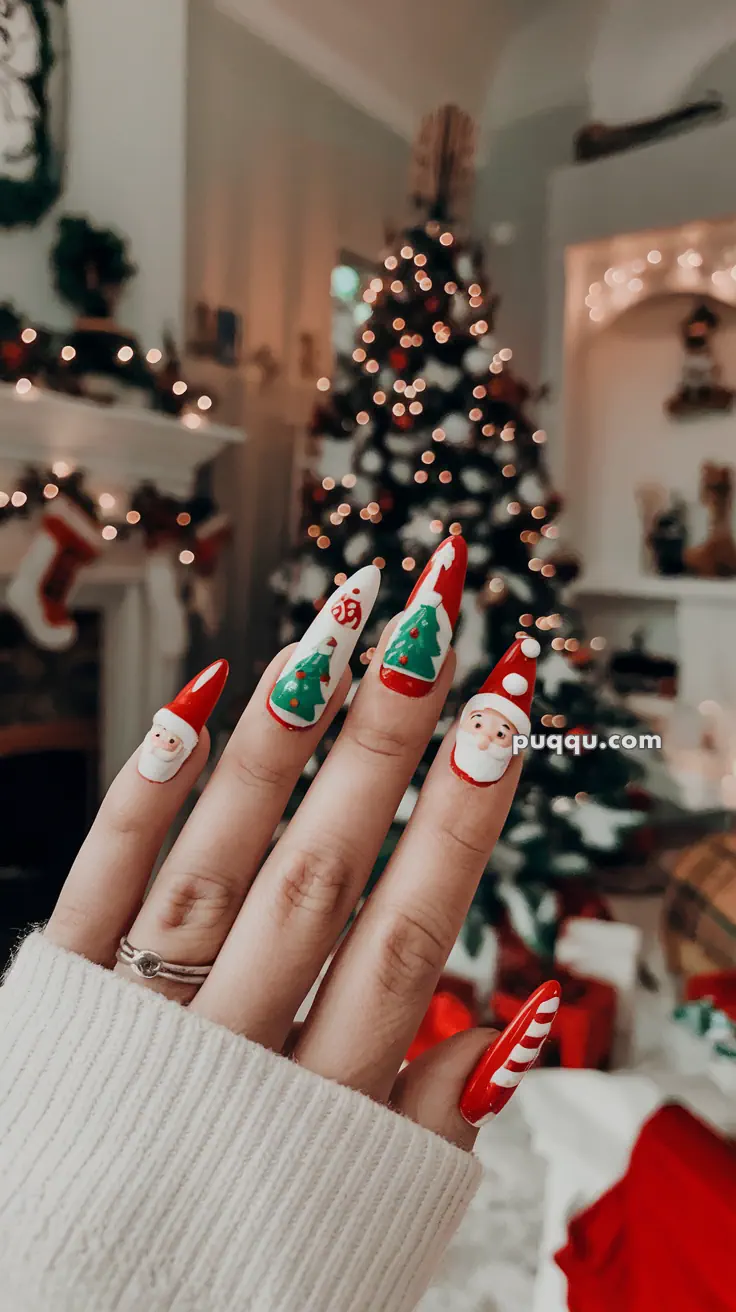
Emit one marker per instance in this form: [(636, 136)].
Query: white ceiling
[(500, 59)]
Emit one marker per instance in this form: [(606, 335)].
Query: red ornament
[(404, 421), (448, 1014), (413, 633), (397, 358), (300, 674), (403, 660), (348, 612)]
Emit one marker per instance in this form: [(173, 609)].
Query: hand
[(268, 923)]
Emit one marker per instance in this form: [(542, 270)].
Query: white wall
[(126, 161), (624, 438)]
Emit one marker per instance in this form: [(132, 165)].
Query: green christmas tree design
[(300, 691), (414, 644)]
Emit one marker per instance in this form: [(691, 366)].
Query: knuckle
[(253, 772), (201, 900), (379, 741), (411, 953), (467, 846), (319, 883)]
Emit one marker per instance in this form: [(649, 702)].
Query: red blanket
[(664, 1238)]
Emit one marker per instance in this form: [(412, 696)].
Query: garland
[(25, 202), (159, 518)]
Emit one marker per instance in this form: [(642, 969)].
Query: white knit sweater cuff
[(151, 1159)]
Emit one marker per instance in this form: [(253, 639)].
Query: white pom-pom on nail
[(515, 684), (530, 647)]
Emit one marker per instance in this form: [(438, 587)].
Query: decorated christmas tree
[(426, 432)]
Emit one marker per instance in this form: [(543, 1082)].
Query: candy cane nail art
[(420, 641), (175, 731), (484, 742), (502, 1068), (310, 677)]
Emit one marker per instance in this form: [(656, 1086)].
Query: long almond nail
[(504, 1065), (175, 731), (420, 642), (484, 745), (310, 677)]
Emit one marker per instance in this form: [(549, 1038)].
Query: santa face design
[(484, 744), (163, 754)]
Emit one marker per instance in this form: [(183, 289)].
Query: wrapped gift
[(452, 1010), (699, 916), (608, 951), (584, 1026)]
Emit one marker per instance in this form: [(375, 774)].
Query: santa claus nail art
[(175, 731), (488, 724), (504, 1065), (420, 641), (310, 677)]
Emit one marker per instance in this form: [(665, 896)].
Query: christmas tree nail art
[(421, 639), (310, 677)]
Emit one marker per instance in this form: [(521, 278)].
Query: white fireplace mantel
[(118, 449)]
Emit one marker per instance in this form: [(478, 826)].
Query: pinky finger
[(106, 885)]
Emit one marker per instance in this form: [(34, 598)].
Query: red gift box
[(583, 1028), (453, 1009)]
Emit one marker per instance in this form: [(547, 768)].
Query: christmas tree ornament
[(503, 1066), (456, 428), (483, 747), (476, 360), (312, 673), (701, 390), (67, 540), (716, 557), (419, 644), (175, 731)]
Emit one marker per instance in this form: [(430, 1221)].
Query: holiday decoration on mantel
[(636, 670), (700, 391), (33, 92), (425, 433), (96, 360), (667, 538), (72, 531), (716, 557)]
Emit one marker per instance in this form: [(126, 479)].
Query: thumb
[(456, 1087)]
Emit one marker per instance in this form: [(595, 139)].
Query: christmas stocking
[(67, 540), (168, 617), (212, 536)]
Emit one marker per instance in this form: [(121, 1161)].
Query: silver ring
[(149, 965)]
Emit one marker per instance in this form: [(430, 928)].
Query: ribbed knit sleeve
[(152, 1160)]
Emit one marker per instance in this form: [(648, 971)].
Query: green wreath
[(25, 201)]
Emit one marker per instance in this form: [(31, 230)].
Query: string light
[(67, 353), (186, 557), (364, 514), (339, 579), (335, 518), (558, 721), (410, 392), (476, 302), (598, 644), (191, 421), (488, 430), (397, 287), (540, 437), (376, 284), (514, 508), (547, 721), (481, 327), (379, 562), (328, 484), (391, 262), (110, 532), (28, 335), (106, 501), (506, 353), (479, 392), (428, 457), (399, 409), (406, 341), (507, 434), (408, 563), (538, 512), (421, 476), (406, 252), (61, 469), (495, 367), (416, 408), (474, 289), (400, 385), (372, 367), (438, 435), (496, 585), (508, 471), (314, 530), (369, 336), (183, 518), (23, 386), (359, 355), (571, 644), (379, 398), (436, 525), (179, 387), (526, 619), (4, 499), (475, 414), (373, 507), (363, 417), (349, 480), (548, 571), (420, 259), (399, 325), (205, 402), (323, 384), (133, 517), (18, 499), (50, 491), (344, 509), (154, 355), (125, 354), (417, 339), (445, 476), (323, 542), (558, 644), (419, 384), (446, 239), (535, 564), (451, 288)]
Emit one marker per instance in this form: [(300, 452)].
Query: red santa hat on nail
[(509, 687), (187, 715), (443, 578)]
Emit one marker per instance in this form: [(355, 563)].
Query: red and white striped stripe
[(502, 1068)]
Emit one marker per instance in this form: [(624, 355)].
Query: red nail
[(420, 642), (503, 1066), (176, 727), (499, 713)]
